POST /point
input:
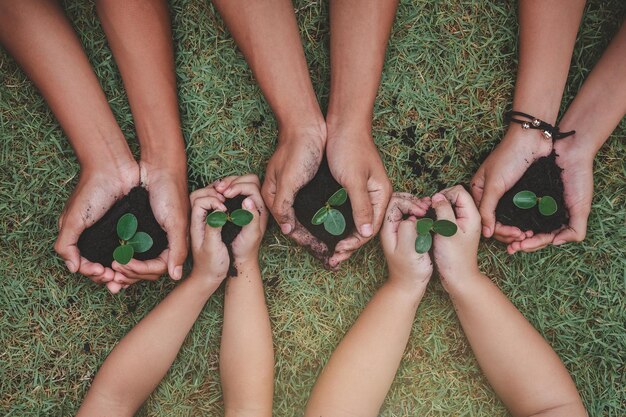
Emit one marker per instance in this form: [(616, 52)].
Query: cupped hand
[(355, 163), (407, 268), (167, 188), (210, 256), (95, 194), (456, 256), (246, 245), (500, 171)]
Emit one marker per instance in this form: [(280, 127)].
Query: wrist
[(170, 156), (313, 131), (356, 128), (204, 284), (109, 154), (247, 264), (408, 289), (455, 283)]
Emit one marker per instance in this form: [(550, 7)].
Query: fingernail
[(178, 273), (70, 266), (486, 231), (366, 230), (437, 198), (285, 228), (220, 184), (558, 242), (248, 203)]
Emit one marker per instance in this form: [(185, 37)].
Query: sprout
[(425, 226), (333, 220), (240, 217), (131, 241), (527, 199)]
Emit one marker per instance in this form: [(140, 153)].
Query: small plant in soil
[(131, 241), (333, 220), (427, 226), (239, 217), (527, 199)]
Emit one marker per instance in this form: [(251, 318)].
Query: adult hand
[(407, 269), (167, 187), (94, 195), (355, 163), (500, 171)]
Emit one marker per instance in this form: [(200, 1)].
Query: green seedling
[(527, 199), (131, 241), (425, 226), (333, 220), (240, 217)]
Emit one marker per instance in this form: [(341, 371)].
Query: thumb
[(487, 209), (178, 248), (361, 208), (65, 245), (282, 208), (443, 208), (212, 236)]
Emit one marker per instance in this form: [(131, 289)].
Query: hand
[(293, 165), (167, 188), (357, 166), (210, 256), (456, 256), (500, 171), (246, 244), (407, 268), (94, 195)]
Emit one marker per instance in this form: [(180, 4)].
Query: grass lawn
[(448, 78)]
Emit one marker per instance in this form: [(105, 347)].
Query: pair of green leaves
[(240, 217), (333, 220), (131, 241), (528, 199), (424, 240)]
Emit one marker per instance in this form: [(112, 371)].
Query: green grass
[(450, 74)]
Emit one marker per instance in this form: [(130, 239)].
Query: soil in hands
[(312, 197), (98, 242), (543, 178), (230, 231)]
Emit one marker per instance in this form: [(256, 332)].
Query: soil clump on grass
[(543, 178), (98, 242)]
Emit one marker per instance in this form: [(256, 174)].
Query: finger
[(443, 208), (407, 233), (574, 232), (461, 200), (337, 258), (149, 270), (212, 236), (90, 269), (125, 281), (283, 208), (478, 185), (223, 184), (248, 189), (198, 217), (65, 245), (350, 243), (105, 277), (490, 197), (362, 211), (502, 231), (206, 192), (533, 244), (379, 198), (400, 205), (178, 248), (114, 287)]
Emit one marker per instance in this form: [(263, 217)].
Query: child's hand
[(456, 256), (210, 256), (246, 244), (406, 267)]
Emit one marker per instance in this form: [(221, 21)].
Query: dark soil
[(230, 231), (543, 178), (312, 197), (98, 242)]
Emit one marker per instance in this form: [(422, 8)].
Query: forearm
[(38, 35), (359, 34), (600, 104), (266, 32), (246, 352), (547, 33), (520, 365), (140, 38), (359, 373), (142, 358)]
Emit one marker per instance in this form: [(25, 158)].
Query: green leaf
[(424, 225), (320, 216), (525, 199), (241, 217), (444, 228), (423, 243), (216, 219), (126, 226), (547, 205), (123, 254), (141, 242), (335, 224), (338, 198)]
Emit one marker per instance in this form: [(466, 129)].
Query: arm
[(42, 41), (547, 33), (246, 352), (359, 34), (140, 38), (142, 358), (359, 373), (266, 31), (521, 367)]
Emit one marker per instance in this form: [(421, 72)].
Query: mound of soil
[(543, 178), (312, 197), (98, 242)]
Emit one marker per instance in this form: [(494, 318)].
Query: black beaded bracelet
[(549, 131)]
